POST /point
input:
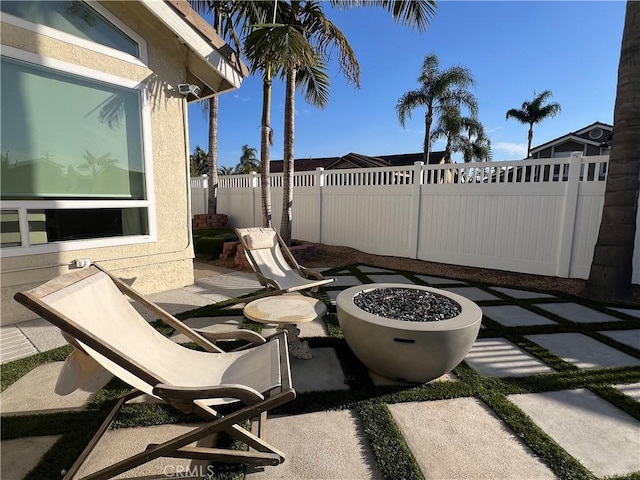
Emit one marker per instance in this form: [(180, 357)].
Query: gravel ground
[(332, 256)]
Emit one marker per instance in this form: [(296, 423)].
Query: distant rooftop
[(357, 160)]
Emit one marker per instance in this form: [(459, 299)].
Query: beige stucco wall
[(149, 267)]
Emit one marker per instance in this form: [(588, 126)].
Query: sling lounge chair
[(266, 252), (91, 308)]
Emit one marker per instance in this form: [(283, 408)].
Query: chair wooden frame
[(310, 279), (251, 405)]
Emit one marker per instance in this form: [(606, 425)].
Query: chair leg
[(101, 431)]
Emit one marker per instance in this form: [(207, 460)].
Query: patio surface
[(550, 389)]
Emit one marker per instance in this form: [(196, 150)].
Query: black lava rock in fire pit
[(407, 304)]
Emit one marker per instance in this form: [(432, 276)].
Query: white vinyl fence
[(199, 195), (533, 216)]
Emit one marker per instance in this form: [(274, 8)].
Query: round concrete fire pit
[(414, 349)]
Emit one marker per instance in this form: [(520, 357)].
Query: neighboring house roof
[(357, 160), (580, 136), (210, 59)]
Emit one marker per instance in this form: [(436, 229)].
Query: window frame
[(149, 203), (142, 60)]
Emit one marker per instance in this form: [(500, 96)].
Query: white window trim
[(84, 43), (23, 205)]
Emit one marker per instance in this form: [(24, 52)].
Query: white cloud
[(517, 149)]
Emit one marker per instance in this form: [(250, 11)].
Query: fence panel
[(199, 195), (534, 216), (491, 226), (377, 219)]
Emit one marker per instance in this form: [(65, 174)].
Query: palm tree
[(437, 89), (612, 267), (248, 161), (451, 125), (323, 36), (534, 112), (225, 16), (475, 145), (268, 60), (198, 162), (224, 170)]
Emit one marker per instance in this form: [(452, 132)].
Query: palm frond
[(413, 13), (409, 102), (314, 83)]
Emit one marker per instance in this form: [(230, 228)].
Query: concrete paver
[(602, 437), (439, 280), (34, 393), (515, 316), (628, 337), (173, 301), (321, 373), (583, 351), (577, 313), (320, 446), (497, 357), (231, 285), (42, 334), (634, 312), (521, 294), (463, 439), (474, 294), (14, 463), (121, 443)]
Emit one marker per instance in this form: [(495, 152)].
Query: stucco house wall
[(158, 264)]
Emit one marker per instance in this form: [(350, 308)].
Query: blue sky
[(512, 48)]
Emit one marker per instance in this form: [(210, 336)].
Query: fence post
[(253, 191), (416, 197), (563, 262), (205, 189), (319, 186)]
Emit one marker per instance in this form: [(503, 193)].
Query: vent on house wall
[(596, 133)]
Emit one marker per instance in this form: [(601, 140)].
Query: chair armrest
[(239, 334), (308, 273), (245, 394), (268, 282)]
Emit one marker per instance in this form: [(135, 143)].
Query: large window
[(85, 24), (73, 156)]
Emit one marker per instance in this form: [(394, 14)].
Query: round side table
[(286, 311)]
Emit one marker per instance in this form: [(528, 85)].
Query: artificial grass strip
[(394, 458)]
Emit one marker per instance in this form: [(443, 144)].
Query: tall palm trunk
[(428, 120), (212, 157), (530, 139), (612, 269), (288, 167), (265, 137)]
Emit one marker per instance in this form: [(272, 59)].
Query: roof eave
[(220, 72)]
